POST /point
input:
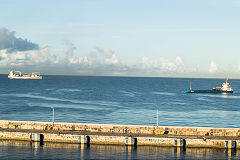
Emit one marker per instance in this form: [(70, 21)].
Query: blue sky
[(187, 38)]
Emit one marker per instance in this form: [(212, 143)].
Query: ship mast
[(190, 85)]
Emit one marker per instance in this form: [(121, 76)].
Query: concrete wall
[(110, 128), (144, 152), (195, 141), (119, 140)]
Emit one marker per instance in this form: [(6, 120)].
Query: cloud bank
[(16, 53), (11, 43), (27, 58)]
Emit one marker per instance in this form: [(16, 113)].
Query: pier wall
[(127, 129), (19, 130), (118, 140)]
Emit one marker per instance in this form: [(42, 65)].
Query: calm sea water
[(117, 100), (27, 150)]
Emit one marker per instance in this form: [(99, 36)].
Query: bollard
[(36, 137), (83, 139), (179, 142), (230, 144), (131, 141)]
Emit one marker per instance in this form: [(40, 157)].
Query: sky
[(157, 38)]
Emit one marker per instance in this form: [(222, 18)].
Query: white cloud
[(70, 49), (167, 65), (105, 57), (70, 59), (179, 61), (100, 62), (43, 59), (173, 66), (26, 58), (147, 63), (110, 57), (80, 60), (163, 64), (213, 67), (111, 60)]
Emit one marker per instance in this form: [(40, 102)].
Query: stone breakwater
[(121, 134)]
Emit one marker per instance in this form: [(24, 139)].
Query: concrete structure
[(116, 134)]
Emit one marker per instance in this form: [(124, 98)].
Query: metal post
[(190, 85), (157, 118), (53, 115)]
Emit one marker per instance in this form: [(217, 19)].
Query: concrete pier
[(117, 134)]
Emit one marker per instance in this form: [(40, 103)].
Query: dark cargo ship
[(226, 88)]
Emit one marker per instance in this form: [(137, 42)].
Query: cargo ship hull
[(207, 91), (226, 88), (18, 75), (22, 77)]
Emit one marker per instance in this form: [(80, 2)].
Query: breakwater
[(120, 134)]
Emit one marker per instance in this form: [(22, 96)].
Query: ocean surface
[(118, 100), (27, 150)]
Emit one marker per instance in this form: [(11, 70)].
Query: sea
[(117, 100)]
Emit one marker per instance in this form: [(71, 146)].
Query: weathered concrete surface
[(119, 140), (116, 134), (127, 129)]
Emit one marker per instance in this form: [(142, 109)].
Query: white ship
[(18, 75)]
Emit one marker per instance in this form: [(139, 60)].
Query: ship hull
[(207, 91), (20, 77)]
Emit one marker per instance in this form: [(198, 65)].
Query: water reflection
[(36, 150), (230, 153)]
